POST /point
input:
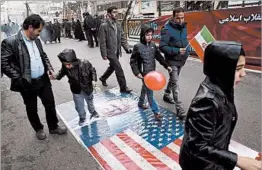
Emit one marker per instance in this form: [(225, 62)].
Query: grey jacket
[(110, 43)]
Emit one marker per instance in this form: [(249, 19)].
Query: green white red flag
[(201, 40)]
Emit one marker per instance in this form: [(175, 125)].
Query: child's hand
[(51, 75), (169, 69), (129, 51), (139, 76), (94, 83)]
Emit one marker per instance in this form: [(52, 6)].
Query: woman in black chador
[(78, 31)]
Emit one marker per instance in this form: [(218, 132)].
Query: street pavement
[(21, 150)]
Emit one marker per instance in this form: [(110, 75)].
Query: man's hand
[(105, 58), (169, 69), (182, 51), (51, 74), (248, 163), (139, 76), (129, 51)]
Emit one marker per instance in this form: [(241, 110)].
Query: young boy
[(82, 77), (212, 115), (142, 62)]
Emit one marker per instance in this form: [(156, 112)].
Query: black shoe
[(181, 113), (97, 45), (94, 115), (126, 90), (59, 130), (40, 134), (81, 121), (103, 82), (168, 99)]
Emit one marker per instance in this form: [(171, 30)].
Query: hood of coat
[(144, 30), (68, 55), (220, 62)]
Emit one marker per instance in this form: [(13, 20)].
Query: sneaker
[(181, 113), (94, 115), (40, 134), (158, 117), (168, 99), (126, 90), (81, 121), (59, 130), (143, 106)]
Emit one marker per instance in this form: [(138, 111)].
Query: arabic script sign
[(233, 18)]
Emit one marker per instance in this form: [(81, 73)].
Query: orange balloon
[(155, 80)]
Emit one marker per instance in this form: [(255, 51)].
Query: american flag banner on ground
[(126, 137), (201, 40)]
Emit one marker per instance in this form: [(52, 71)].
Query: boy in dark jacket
[(142, 62), (82, 77), (212, 115)]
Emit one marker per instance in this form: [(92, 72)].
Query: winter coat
[(144, 54), (82, 74), (174, 37), (111, 40), (212, 115), (15, 62)]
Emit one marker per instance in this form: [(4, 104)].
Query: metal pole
[(27, 9), (159, 8)]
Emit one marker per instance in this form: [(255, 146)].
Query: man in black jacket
[(90, 27), (24, 61)]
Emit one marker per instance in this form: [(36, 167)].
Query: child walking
[(212, 115), (142, 62), (82, 78)]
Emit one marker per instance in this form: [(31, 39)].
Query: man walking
[(24, 61), (57, 28), (173, 44), (111, 38), (90, 27)]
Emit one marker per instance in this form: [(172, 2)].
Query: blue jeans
[(79, 100), (150, 96)]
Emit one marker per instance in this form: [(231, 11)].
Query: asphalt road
[(21, 150)]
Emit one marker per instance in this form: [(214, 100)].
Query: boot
[(167, 98)]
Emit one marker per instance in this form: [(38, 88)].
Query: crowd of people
[(210, 120), (10, 28), (86, 30)]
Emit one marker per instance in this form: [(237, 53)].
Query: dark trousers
[(68, 33), (45, 93), (87, 37), (114, 65), (92, 35), (173, 85), (58, 38)]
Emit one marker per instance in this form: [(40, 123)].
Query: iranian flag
[(201, 40)]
